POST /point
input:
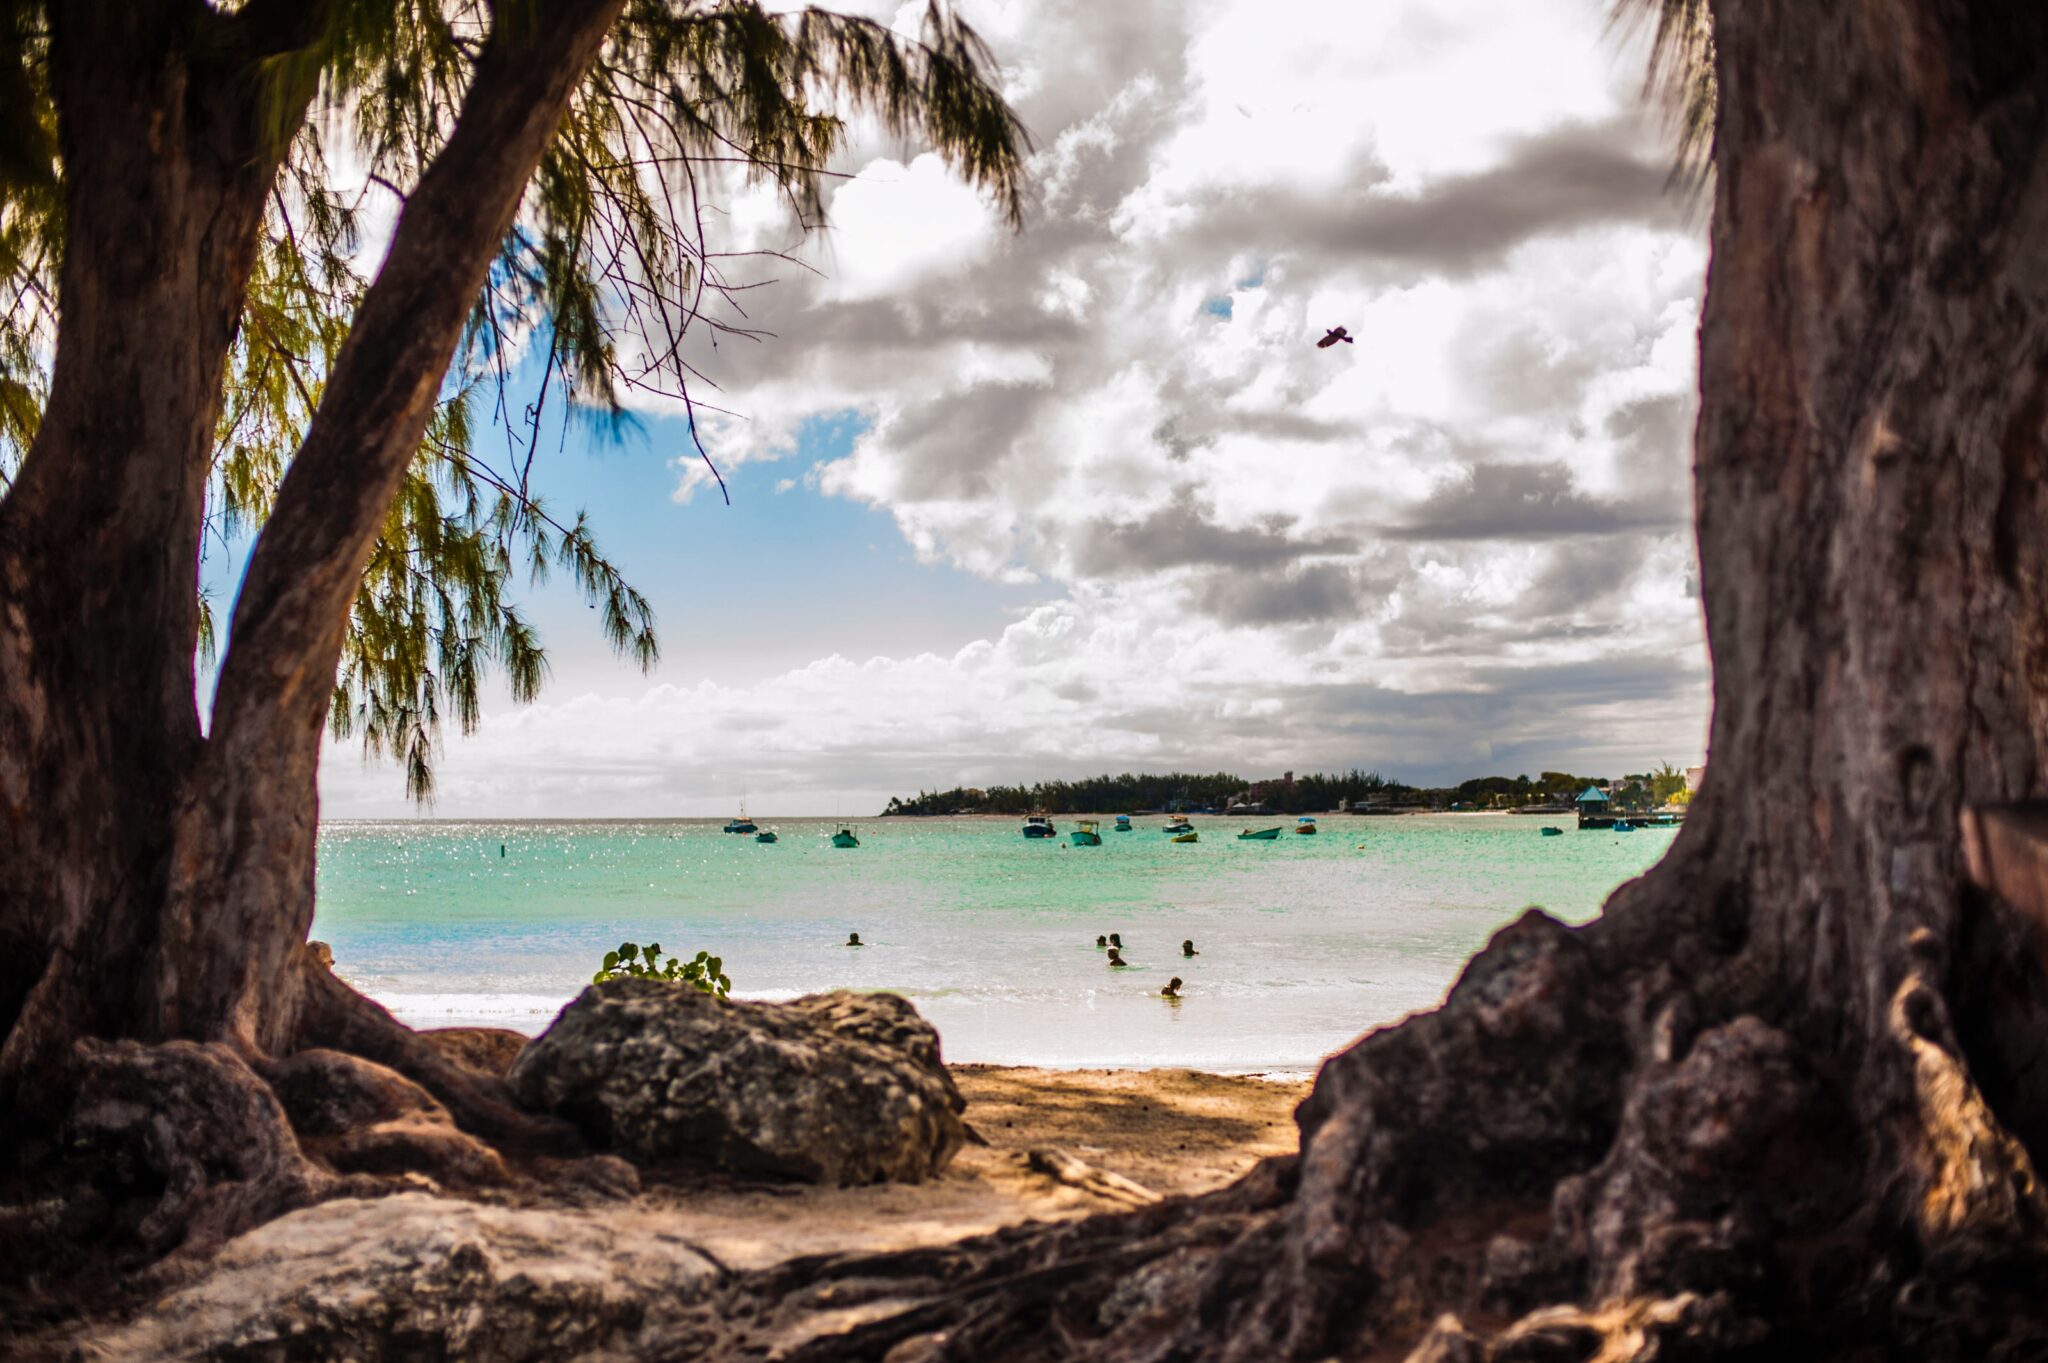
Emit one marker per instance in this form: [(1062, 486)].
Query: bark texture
[(99, 538), (170, 1044)]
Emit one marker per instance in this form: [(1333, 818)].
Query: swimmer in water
[(1187, 948), (1172, 990), (1100, 941), (1116, 940), (853, 940), (1116, 958)]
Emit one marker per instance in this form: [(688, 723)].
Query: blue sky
[(1088, 497), (768, 583)]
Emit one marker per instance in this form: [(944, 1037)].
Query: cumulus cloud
[(1459, 540), (1524, 501)]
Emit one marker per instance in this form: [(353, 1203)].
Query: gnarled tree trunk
[(1780, 1098), (156, 885), (165, 184)]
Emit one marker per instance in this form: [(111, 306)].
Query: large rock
[(834, 1088), (419, 1277)]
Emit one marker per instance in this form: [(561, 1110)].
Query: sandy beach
[(1169, 1131)]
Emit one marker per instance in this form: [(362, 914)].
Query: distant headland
[(1357, 792)]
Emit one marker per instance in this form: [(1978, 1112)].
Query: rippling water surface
[(1305, 942)]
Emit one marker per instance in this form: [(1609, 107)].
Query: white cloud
[(894, 228)]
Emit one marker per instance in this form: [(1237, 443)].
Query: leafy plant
[(703, 972)]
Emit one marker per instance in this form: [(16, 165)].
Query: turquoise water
[(1305, 942)]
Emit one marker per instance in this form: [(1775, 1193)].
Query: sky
[(1087, 497)]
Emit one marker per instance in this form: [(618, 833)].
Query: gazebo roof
[(1593, 793)]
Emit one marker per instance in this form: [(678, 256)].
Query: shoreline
[(532, 1023)]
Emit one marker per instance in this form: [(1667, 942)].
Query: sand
[(1170, 1131)]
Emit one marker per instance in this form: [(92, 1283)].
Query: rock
[(833, 1088), (414, 1276), (487, 1050)]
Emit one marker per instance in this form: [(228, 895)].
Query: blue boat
[(1087, 833), (1550, 832), (1123, 823), (844, 838), (765, 835), (1038, 826), (1258, 835)]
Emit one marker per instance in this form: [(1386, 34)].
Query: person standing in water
[(1116, 940), (853, 940), (1187, 948), (1172, 990), (1116, 958), (1100, 941)]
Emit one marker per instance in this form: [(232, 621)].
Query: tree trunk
[(1783, 1098), (165, 183), (156, 886), (241, 894)]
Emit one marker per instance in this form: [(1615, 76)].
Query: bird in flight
[(1334, 335)]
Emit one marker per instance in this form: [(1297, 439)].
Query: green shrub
[(704, 973)]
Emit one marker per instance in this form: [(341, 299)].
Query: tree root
[(196, 1124), (356, 1116), (156, 1155), (338, 1018)]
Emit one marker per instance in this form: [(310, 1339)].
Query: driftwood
[(1075, 1172)]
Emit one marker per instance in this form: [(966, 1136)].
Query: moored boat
[(742, 824), (1258, 835), (1123, 823), (1038, 826), (1305, 824), (1551, 832), (765, 835), (1087, 833), (1185, 837), (844, 838), (1180, 826)]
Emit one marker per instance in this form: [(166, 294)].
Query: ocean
[(1305, 942)]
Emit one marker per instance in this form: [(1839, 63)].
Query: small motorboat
[(1258, 835), (1180, 826), (1087, 833), (1038, 826), (1185, 837), (1624, 826), (844, 838), (1551, 832), (1123, 823), (765, 835), (1305, 824), (742, 824)]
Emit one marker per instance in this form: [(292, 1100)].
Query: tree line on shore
[(1316, 793)]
